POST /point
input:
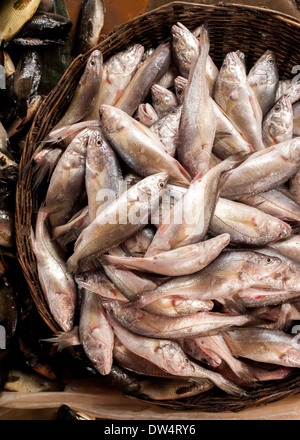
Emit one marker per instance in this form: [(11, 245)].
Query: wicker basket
[(231, 27)]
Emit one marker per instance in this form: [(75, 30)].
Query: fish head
[(174, 357), (232, 73), (152, 185), (185, 47), (100, 352), (96, 146), (261, 265), (125, 62), (159, 94), (93, 68), (87, 279), (63, 309), (145, 110), (112, 118), (265, 69), (183, 39), (280, 119)]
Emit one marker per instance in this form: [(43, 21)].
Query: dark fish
[(36, 42), (6, 229), (24, 382), (26, 80), (8, 168), (9, 315), (45, 25), (90, 24)]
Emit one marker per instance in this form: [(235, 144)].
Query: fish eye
[(224, 66), (99, 141), (84, 277), (138, 119), (179, 92), (277, 108), (269, 260), (92, 63), (161, 184), (271, 61), (100, 115)]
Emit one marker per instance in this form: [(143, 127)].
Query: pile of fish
[(167, 243)]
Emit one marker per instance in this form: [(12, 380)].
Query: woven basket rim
[(78, 63)]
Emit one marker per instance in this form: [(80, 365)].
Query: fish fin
[(40, 173), (65, 238), (65, 339), (235, 305)]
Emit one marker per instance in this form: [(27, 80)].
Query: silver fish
[(228, 140), (167, 80), (138, 146), (130, 283), (58, 285), (67, 180), (45, 162), (163, 100), (131, 210), (151, 70), (95, 332), (167, 129), (96, 281), (263, 345), (155, 326), (103, 174), (264, 170), (191, 216), (86, 92), (180, 84), (230, 272), (278, 123), (275, 202), (198, 123), (237, 99), (132, 362), (169, 357), (216, 347), (290, 247), (118, 71), (256, 297), (246, 225), (264, 80), (185, 51), (182, 261)]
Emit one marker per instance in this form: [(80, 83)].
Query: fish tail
[(65, 339)]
